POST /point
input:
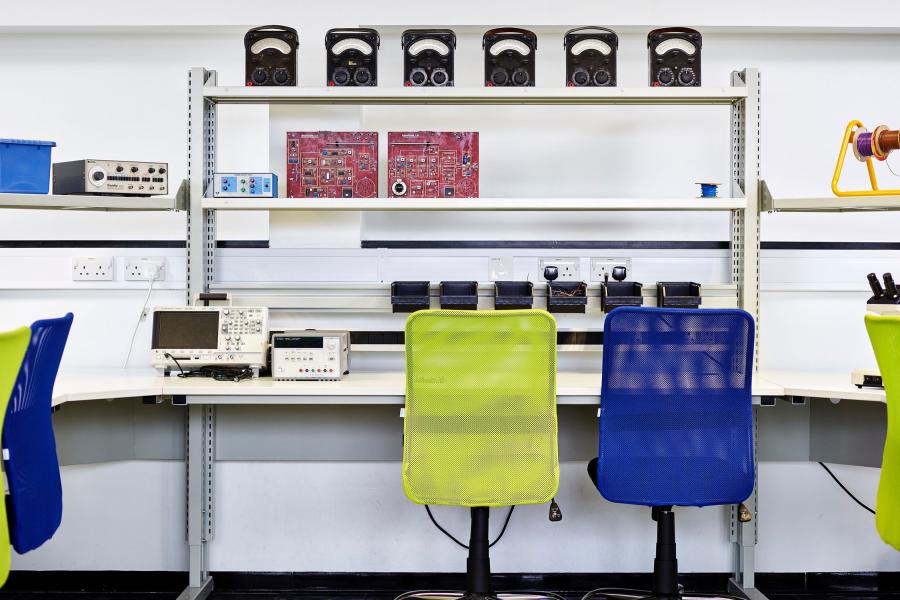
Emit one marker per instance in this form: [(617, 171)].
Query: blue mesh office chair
[(676, 420), (32, 469)]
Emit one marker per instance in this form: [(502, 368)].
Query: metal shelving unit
[(478, 96), (204, 97), (476, 204), (827, 204)]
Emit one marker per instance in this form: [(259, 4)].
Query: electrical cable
[(234, 374), (459, 543), (848, 492), (138, 324)]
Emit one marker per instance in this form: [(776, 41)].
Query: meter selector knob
[(281, 76), (686, 77), (665, 77), (580, 77), (418, 77), (341, 76), (259, 76), (601, 77)]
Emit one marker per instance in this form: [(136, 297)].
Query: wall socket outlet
[(569, 268), (143, 268), (602, 267), (92, 268)]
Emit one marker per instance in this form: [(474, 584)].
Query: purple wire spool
[(862, 145)]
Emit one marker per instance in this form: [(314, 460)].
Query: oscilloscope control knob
[(665, 77), (686, 76)]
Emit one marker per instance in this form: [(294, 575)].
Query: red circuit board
[(332, 164), (432, 164)]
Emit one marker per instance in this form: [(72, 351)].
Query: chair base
[(444, 595), (624, 594)]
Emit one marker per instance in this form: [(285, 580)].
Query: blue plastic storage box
[(25, 166)]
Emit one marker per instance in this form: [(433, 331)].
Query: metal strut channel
[(745, 165)]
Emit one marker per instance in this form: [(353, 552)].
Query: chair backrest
[(676, 418), (884, 331), (13, 345), (32, 468), (480, 426)]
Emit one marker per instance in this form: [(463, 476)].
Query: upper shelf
[(475, 204), (827, 204), (482, 96), (72, 202)]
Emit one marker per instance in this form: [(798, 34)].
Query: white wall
[(100, 91)]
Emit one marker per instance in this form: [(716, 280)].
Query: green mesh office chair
[(480, 426), (884, 331), (13, 345)]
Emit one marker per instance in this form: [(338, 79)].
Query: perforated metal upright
[(745, 165), (201, 242)]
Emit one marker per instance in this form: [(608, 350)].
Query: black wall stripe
[(470, 244), (92, 244), (830, 246), (563, 338), (542, 244)]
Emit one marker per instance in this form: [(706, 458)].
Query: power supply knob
[(162, 170), (151, 170), (665, 76), (97, 175), (134, 169), (119, 169), (686, 76)]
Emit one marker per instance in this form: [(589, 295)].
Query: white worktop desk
[(832, 385), (383, 387)]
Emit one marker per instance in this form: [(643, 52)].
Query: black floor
[(386, 586)]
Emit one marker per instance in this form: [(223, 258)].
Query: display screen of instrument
[(180, 329), (298, 342)]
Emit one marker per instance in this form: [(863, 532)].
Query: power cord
[(234, 374), (141, 317), (848, 492), (459, 543)]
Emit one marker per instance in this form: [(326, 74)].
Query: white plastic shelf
[(477, 96), (476, 204), (72, 202)]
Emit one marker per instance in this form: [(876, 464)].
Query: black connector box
[(459, 295), (410, 296), (620, 293), (566, 296), (510, 295), (678, 294)]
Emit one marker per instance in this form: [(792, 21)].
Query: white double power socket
[(103, 268)]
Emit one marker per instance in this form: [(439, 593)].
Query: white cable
[(138, 324)]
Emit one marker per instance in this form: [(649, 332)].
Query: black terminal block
[(410, 296), (620, 293), (678, 294), (459, 295), (566, 296), (510, 295)]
